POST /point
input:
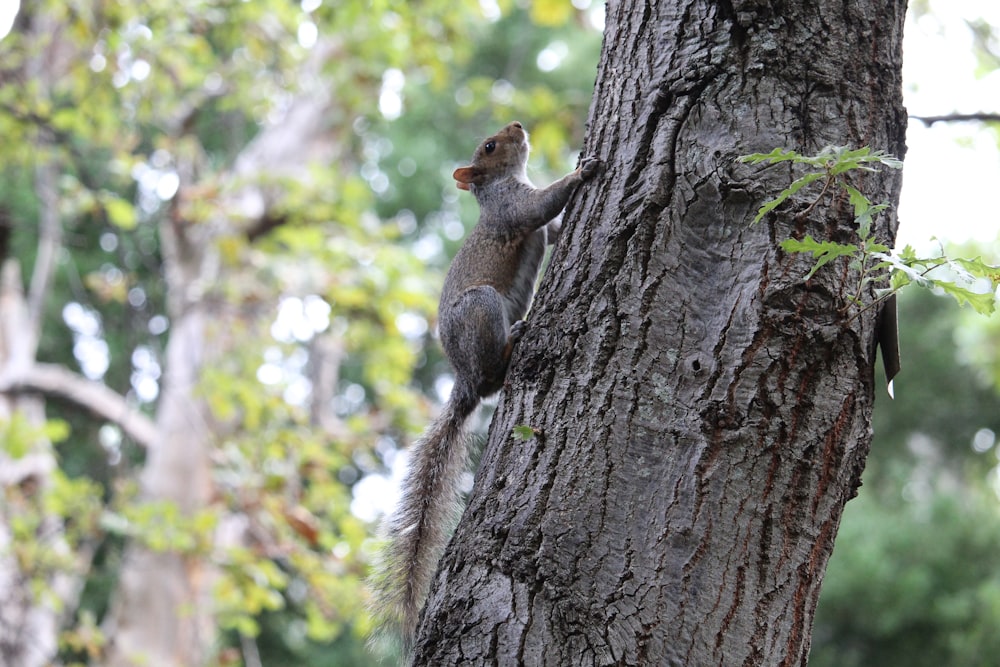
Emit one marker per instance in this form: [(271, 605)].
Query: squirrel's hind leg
[(478, 339)]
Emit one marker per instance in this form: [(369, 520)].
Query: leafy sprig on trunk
[(872, 260)]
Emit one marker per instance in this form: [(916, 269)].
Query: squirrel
[(485, 296)]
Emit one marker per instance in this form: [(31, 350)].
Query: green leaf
[(898, 280), (907, 254), (318, 627), (796, 185), (776, 155), (56, 430), (977, 268), (871, 247), (983, 303), (522, 432), (862, 210), (551, 12), (907, 268), (121, 213), (844, 159), (824, 251), (883, 158), (860, 202), (904, 271), (834, 159)]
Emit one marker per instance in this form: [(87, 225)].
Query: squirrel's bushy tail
[(417, 532)]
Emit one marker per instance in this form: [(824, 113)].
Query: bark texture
[(702, 413)]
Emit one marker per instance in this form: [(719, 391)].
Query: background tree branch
[(97, 398), (959, 118)]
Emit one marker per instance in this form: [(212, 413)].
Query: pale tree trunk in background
[(701, 413), (29, 627), (163, 610), (162, 614)]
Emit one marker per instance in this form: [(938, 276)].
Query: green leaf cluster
[(52, 522), (830, 163), (969, 281), (824, 251)]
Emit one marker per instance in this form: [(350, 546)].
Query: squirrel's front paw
[(588, 167)]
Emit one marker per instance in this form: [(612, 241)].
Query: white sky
[(8, 10), (952, 170)]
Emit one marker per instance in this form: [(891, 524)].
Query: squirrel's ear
[(463, 176)]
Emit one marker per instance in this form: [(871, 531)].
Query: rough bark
[(701, 412)]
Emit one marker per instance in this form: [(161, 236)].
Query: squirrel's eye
[(490, 147)]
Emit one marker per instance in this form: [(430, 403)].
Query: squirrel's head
[(502, 155)]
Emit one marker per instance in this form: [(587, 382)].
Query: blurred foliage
[(52, 521), (915, 585)]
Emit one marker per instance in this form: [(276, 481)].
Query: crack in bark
[(833, 450), (806, 571), (737, 598)]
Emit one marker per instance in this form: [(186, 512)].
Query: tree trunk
[(28, 624), (701, 411), (163, 612), (28, 627)]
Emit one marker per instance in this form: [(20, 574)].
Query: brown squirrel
[(485, 295)]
